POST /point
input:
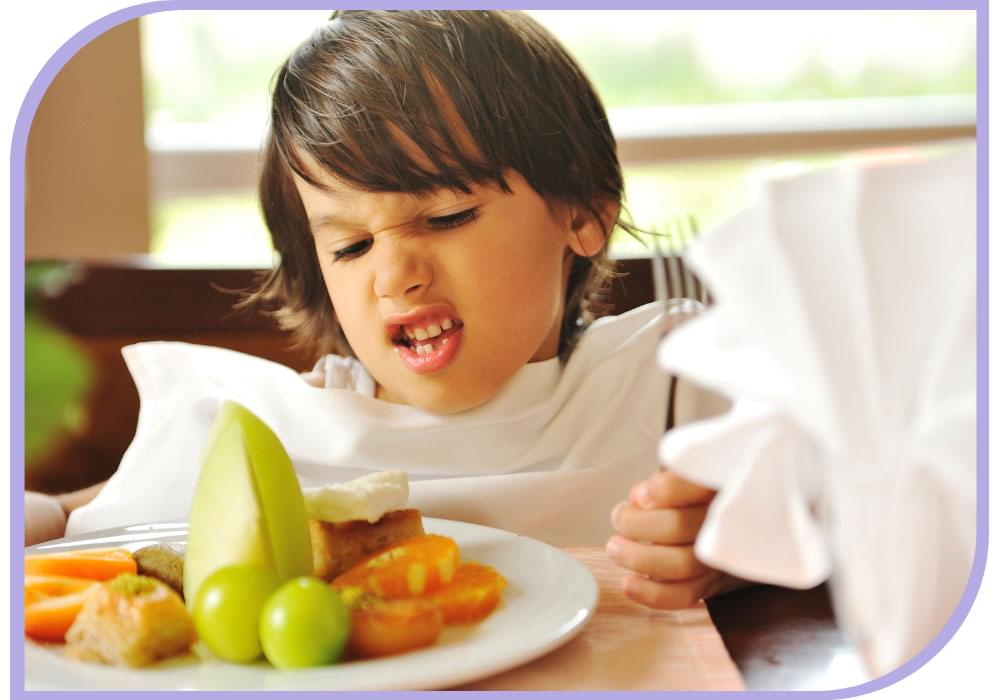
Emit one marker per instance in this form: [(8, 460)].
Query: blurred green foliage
[(56, 371)]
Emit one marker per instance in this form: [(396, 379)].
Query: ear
[(588, 233)]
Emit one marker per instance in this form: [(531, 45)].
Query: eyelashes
[(352, 251), (454, 220), (435, 223)]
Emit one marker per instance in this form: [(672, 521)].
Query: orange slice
[(382, 627), (411, 567), (472, 594)]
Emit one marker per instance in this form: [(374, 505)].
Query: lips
[(426, 339)]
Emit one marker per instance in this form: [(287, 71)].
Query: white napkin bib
[(845, 334), (548, 457)]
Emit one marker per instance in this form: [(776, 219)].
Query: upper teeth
[(433, 330)]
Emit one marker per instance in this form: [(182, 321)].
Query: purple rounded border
[(85, 35)]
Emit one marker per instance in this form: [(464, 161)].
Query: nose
[(402, 270)]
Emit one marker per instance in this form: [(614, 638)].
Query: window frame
[(656, 135)]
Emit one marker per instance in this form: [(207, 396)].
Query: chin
[(446, 406), (444, 401)]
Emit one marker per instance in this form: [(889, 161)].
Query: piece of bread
[(338, 546), (130, 620)]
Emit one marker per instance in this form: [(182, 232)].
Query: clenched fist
[(656, 530)]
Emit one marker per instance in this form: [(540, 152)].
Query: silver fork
[(671, 278), (675, 288)]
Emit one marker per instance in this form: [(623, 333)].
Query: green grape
[(227, 608), (304, 623)]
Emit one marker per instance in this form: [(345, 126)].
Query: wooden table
[(761, 637), (628, 647)]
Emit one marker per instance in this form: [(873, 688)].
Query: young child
[(440, 188)]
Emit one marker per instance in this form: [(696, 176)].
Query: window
[(699, 101)]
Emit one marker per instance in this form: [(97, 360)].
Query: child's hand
[(656, 529), (45, 515)]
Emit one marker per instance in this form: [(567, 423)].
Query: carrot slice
[(408, 568), (49, 618), (38, 588), (472, 594), (96, 564), (381, 627)]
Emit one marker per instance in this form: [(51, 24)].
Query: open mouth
[(425, 337)]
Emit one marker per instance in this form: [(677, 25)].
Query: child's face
[(483, 274)]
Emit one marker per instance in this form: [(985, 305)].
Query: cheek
[(519, 291), (331, 290), (537, 271), (524, 283), (346, 299), (528, 253)]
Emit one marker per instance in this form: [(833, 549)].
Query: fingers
[(660, 562), (665, 489), (671, 595), (656, 531), (660, 526)]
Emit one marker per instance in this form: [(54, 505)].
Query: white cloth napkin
[(844, 331)]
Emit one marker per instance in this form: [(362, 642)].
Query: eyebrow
[(316, 222), (335, 220)]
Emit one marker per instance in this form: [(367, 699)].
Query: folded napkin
[(844, 332)]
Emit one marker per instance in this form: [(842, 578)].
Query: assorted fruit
[(245, 586)]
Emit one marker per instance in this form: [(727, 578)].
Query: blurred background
[(143, 155)]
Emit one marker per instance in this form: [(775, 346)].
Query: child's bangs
[(384, 157), (379, 133)]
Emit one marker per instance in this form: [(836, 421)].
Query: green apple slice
[(247, 506)]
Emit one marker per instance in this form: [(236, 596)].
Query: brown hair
[(344, 97)]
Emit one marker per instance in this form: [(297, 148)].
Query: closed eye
[(454, 220), (354, 250)]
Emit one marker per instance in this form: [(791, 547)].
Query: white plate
[(549, 598)]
